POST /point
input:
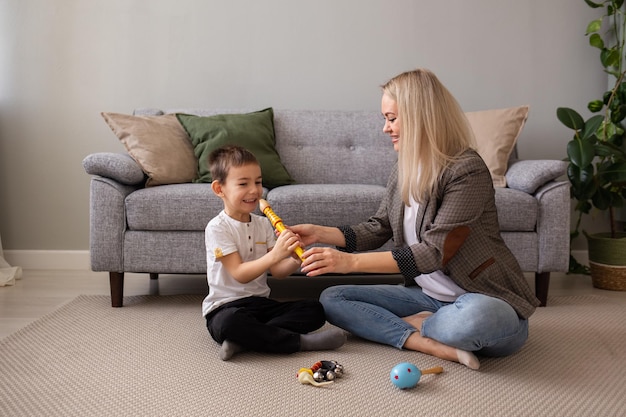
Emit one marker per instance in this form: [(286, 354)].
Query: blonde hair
[(434, 131)]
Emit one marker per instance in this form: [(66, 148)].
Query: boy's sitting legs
[(266, 325)]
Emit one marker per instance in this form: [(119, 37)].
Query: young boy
[(241, 247)]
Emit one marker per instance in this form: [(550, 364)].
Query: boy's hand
[(286, 244)]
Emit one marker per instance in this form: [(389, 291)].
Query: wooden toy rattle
[(277, 222)]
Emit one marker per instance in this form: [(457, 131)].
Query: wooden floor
[(40, 292)]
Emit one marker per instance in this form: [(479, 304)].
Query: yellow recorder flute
[(277, 222)]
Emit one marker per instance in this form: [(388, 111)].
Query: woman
[(464, 292)]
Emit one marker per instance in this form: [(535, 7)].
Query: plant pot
[(607, 260)]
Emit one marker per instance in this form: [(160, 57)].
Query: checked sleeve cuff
[(406, 262), (350, 238)]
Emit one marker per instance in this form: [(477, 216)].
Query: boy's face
[(241, 191)]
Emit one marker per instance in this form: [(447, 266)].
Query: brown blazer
[(457, 232)]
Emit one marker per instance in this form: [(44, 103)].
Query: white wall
[(62, 62)]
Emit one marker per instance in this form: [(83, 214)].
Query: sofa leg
[(116, 280), (542, 282), (154, 276)]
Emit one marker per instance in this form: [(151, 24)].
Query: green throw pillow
[(254, 131)]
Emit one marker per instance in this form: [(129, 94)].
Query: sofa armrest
[(553, 226), (529, 175), (107, 223), (117, 166)]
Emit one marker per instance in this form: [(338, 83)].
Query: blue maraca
[(406, 375)]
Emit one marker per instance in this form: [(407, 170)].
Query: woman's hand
[(318, 261), (313, 233), (306, 232)]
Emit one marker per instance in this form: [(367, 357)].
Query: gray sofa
[(340, 161)]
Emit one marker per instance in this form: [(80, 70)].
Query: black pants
[(265, 325)]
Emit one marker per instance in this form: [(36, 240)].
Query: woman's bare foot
[(416, 320), (429, 346)]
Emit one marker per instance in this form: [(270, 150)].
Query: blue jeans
[(474, 322)]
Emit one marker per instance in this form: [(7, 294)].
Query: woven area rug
[(154, 357)]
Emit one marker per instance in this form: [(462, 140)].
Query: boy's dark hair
[(222, 159)]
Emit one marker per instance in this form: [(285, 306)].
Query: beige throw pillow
[(496, 132), (159, 144)]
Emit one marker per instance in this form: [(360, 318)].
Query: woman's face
[(389, 108)]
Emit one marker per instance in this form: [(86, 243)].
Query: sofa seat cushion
[(517, 211), (189, 207), (180, 207), (326, 204)]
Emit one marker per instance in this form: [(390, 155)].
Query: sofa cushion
[(496, 132), (529, 175), (517, 210), (189, 206), (181, 207), (254, 131), (326, 204), (158, 144), (172, 207)]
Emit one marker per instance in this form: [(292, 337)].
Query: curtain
[(8, 273)]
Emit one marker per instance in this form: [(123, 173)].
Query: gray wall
[(62, 62)]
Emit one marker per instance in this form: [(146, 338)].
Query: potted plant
[(597, 152)]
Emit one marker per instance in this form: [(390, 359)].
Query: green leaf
[(618, 114), (616, 139), (582, 184), (594, 26), (621, 90), (596, 41), (610, 57), (580, 152), (601, 199), (614, 74), (595, 106), (570, 118), (592, 4), (615, 173), (592, 125), (607, 149), (615, 103), (584, 206), (618, 3), (600, 179), (576, 267), (608, 130)]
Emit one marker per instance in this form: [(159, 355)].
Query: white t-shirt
[(436, 284), (223, 236)]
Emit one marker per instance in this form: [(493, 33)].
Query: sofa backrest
[(332, 147), (323, 146)]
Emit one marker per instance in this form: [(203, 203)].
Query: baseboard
[(49, 259), (79, 259)]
